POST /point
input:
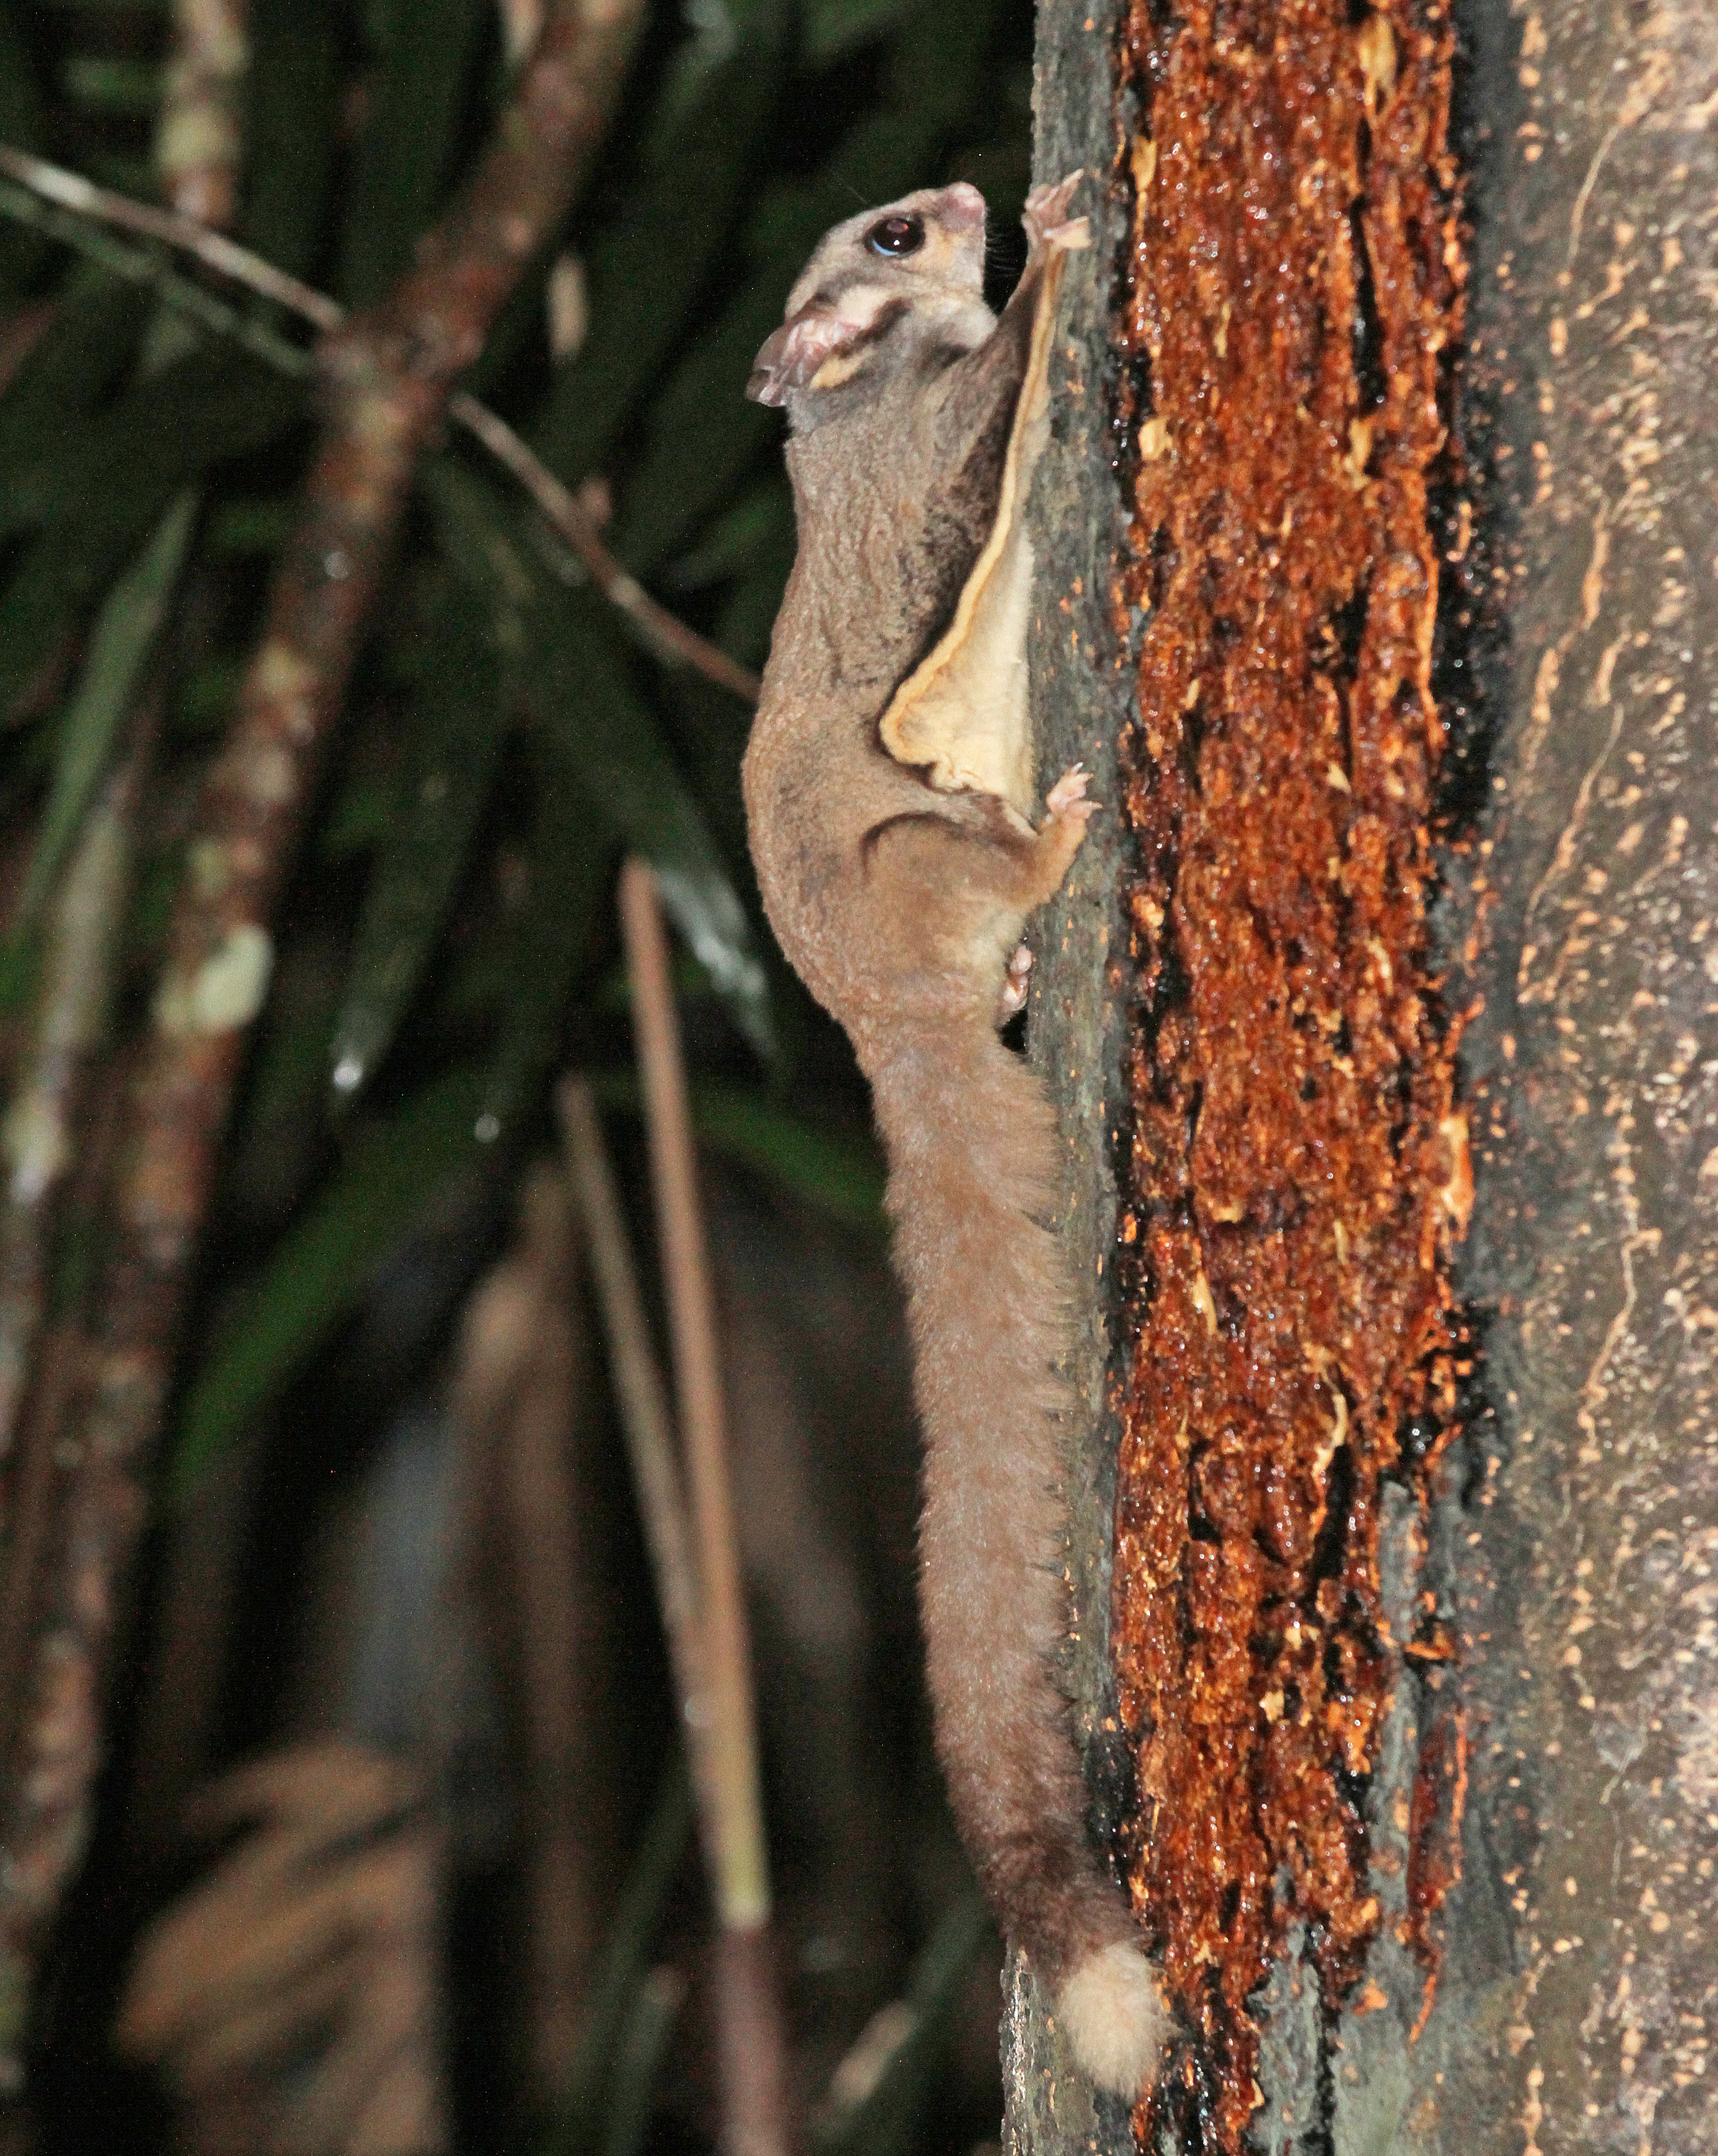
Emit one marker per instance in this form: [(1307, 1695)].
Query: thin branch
[(750, 2009), (72, 192), (646, 1423), (663, 634), (142, 266), (743, 1885), (747, 2008), (389, 375)]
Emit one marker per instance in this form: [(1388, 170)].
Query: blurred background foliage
[(447, 945)]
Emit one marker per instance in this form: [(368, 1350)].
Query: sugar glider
[(889, 795)]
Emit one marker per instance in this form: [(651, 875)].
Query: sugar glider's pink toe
[(1067, 795), (1013, 998), (1046, 219)]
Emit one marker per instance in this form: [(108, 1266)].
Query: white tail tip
[(1115, 2018)]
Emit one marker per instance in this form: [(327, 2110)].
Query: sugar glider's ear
[(790, 356)]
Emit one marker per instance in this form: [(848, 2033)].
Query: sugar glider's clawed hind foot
[(1013, 999), (1067, 796), (1067, 811), (1060, 835), (890, 796)]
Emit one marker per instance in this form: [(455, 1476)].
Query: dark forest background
[(446, 948)]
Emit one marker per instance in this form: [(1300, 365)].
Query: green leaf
[(638, 2061), (568, 670), (20, 93), (458, 723), (578, 684), (318, 1269), (204, 696), (717, 28), (759, 526), (128, 87), (880, 2116), (748, 614), (626, 1963), (365, 811), (408, 151), (20, 125), (292, 129), (834, 27), (701, 434), (841, 1175), (707, 730), (479, 535), (570, 854), (937, 75), (284, 1085), (117, 479), (120, 645), (250, 525), (647, 270), (91, 340)]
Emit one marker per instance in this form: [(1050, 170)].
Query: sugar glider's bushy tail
[(989, 1305)]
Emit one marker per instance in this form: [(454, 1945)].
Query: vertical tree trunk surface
[(1379, 588)]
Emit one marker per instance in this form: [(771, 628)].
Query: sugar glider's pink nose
[(963, 206)]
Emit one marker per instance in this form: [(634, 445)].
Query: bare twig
[(38, 1138), (140, 263), (743, 1883), (748, 2007), (197, 139), (58, 1146), (389, 375), (522, 25), (661, 633), (747, 2011), (72, 192), (645, 1421)]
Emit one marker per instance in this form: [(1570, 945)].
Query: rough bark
[(1578, 1985), (1532, 1801), (1080, 700)]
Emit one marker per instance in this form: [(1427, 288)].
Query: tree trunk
[(1414, 1754)]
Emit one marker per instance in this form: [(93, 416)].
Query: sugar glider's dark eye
[(896, 235)]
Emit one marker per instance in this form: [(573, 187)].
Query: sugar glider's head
[(910, 273)]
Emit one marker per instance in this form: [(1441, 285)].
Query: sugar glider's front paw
[(1061, 833), (1013, 998), (1046, 219), (1066, 799), (1115, 2018)]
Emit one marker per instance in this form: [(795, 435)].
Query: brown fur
[(900, 907)]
